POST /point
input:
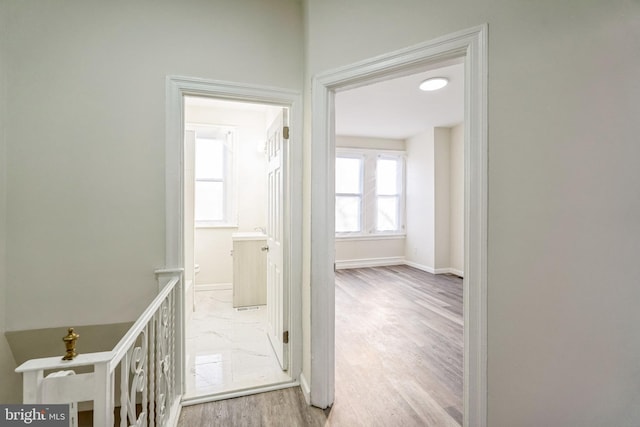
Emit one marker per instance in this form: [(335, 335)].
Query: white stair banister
[(146, 355)]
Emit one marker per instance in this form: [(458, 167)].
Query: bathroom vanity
[(249, 269)]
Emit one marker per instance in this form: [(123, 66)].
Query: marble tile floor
[(228, 349)]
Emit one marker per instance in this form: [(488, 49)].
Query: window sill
[(356, 237)]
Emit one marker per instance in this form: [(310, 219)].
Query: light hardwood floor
[(399, 349)]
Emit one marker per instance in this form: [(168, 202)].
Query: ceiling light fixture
[(434, 83)]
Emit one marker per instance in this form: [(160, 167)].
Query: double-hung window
[(389, 174), (369, 192), (213, 176), (349, 193)]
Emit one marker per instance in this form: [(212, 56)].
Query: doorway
[(233, 245), (227, 333), (399, 237), (470, 45)]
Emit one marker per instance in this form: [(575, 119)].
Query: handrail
[(176, 270), (51, 363), (132, 334)]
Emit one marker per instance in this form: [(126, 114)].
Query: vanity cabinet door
[(249, 273)]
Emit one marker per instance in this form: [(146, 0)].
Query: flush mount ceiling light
[(434, 83)]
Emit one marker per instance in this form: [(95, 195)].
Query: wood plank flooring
[(282, 408), (399, 350)]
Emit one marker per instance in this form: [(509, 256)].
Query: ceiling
[(397, 109)]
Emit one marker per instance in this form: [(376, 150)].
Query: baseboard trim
[(420, 266), (214, 287), (435, 270), (459, 273), (306, 390), (188, 401), (369, 262)]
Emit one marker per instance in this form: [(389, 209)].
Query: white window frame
[(230, 219), (369, 200), (400, 192), (361, 194)]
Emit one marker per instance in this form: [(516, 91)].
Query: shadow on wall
[(16, 347), (10, 382)]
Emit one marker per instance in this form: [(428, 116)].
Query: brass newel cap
[(70, 343)]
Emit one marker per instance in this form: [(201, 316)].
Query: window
[(349, 194), (388, 192), (213, 193), (369, 192)]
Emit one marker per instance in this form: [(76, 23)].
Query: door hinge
[(285, 132), (285, 337)]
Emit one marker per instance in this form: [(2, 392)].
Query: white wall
[(353, 253), (441, 144), (85, 138), (431, 201), (563, 210), (10, 382), (213, 245), (456, 202), (421, 197)]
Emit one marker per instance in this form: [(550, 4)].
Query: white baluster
[(142, 382), (160, 394), (172, 347), (152, 372), (124, 389)]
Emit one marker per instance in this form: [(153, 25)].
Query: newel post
[(31, 382), (103, 404)]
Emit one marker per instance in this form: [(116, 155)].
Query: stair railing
[(146, 362)]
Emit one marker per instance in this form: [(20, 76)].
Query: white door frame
[(176, 88), (472, 45)]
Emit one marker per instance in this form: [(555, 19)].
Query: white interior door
[(277, 322)]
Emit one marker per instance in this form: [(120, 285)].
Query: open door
[(277, 321)]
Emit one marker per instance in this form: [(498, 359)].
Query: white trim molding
[(422, 267), (455, 271), (213, 287), (432, 270), (190, 401), (377, 236), (470, 44), (176, 88), (306, 391), (369, 262)]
